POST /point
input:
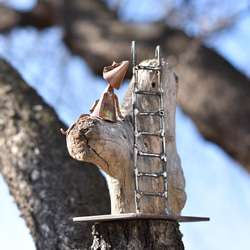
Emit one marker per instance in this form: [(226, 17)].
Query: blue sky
[(216, 186)]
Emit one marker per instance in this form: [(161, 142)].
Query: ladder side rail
[(164, 162), (134, 101)]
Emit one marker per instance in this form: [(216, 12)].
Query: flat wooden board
[(135, 216)]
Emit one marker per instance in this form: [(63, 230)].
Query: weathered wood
[(110, 147)]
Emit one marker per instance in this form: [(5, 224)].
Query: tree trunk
[(137, 235), (49, 187)]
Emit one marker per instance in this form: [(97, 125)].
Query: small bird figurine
[(107, 107)]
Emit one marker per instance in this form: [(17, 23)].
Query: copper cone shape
[(106, 108), (115, 73)]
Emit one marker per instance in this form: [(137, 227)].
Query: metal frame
[(162, 156)]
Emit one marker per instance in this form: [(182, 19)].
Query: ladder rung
[(148, 154), (158, 93), (154, 113), (155, 175), (162, 156), (158, 133), (142, 193), (157, 68)]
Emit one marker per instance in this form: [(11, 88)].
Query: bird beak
[(115, 73)]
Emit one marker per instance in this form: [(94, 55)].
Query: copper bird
[(107, 107)]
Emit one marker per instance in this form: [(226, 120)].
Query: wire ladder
[(137, 134)]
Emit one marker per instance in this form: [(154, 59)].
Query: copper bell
[(107, 107)]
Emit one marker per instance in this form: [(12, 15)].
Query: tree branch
[(49, 187), (94, 32), (216, 97)]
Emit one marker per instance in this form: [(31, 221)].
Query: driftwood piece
[(110, 147), (107, 145)]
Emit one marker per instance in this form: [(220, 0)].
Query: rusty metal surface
[(115, 73), (107, 107), (136, 216)]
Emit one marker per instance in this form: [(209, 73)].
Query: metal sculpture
[(107, 107), (134, 182)]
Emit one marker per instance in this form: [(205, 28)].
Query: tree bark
[(49, 187), (95, 33), (137, 234)]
